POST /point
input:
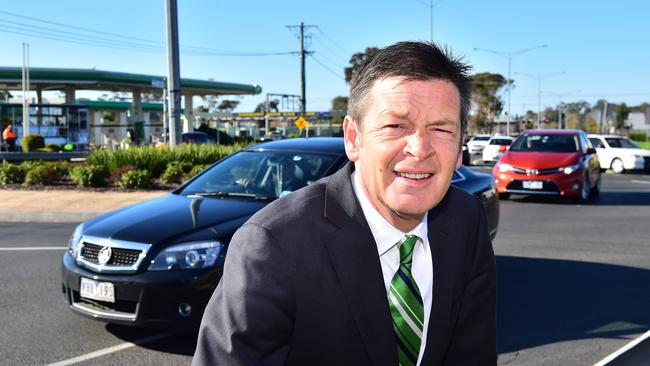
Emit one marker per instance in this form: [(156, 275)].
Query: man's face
[(407, 146)]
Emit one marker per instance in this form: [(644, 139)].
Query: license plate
[(102, 291), (533, 184)]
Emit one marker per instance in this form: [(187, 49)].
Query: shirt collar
[(385, 234)]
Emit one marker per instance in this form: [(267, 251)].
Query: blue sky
[(601, 46)]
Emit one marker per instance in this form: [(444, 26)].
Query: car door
[(603, 150), (593, 163)]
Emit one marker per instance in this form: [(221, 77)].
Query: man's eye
[(394, 126)]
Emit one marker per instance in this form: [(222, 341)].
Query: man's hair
[(413, 61)]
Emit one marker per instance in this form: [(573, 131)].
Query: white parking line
[(640, 181), (623, 349), (15, 249), (108, 350)]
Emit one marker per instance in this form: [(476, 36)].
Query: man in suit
[(382, 263)]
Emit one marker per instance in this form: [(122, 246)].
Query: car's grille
[(119, 257), (534, 171), (548, 187), (123, 256)]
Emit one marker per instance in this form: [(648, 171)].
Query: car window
[(480, 138), (584, 141), (500, 142), (262, 173), (621, 143), (546, 143), (597, 143)]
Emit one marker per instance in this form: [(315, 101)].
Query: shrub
[(136, 179), (638, 136), (45, 174), (175, 171), (155, 160), (117, 173), (32, 142), (11, 174), (90, 176), (54, 147)]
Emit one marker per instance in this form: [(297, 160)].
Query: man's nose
[(419, 146)]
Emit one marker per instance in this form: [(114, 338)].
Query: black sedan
[(157, 263)]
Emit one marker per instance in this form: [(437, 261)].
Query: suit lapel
[(438, 329), (354, 256)]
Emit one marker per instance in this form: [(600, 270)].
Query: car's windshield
[(267, 174), (546, 143), (621, 143), (480, 138)]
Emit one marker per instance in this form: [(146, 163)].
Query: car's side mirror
[(591, 150)]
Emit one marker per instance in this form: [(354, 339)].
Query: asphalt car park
[(572, 287)]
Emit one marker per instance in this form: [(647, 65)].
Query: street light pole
[(560, 97), (539, 91), (509, 56)]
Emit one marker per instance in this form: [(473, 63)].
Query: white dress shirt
[(386, 237)]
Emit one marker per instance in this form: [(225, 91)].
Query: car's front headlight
[(75, 239), (504, 168), (570, 169), (199, 254)]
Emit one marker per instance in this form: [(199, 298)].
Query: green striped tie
[(406, 306)]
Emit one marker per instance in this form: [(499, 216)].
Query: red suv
[(549, 162)]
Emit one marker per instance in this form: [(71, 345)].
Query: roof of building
[(91, 79)]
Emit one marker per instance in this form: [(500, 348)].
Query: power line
[(326, 68), (333, 42), (150, 46)]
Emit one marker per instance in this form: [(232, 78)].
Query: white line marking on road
[(635, 342), (14, 249), (108, 350), (640, 181)]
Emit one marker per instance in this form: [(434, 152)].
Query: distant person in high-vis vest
[(9, 138)]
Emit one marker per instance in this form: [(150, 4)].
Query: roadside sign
[(301, 123)]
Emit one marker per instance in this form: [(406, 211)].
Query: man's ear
[(351, 136)]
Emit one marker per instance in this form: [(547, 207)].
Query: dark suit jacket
[(302, 285)]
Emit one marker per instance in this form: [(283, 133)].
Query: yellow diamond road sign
[(301, 123)]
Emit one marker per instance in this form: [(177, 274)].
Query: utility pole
[(173, 78), (303, 55), (303, 98), (25, 89)]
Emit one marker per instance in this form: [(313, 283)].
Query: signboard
[(301, 123)]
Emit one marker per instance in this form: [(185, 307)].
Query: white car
[(495, 147), (619, 153), (477, 143)]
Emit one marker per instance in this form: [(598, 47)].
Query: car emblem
[(104, 255), (532, 171)]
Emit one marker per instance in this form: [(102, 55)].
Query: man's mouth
[(414, 175)]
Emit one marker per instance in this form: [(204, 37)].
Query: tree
[(210, 103), (621, 113), (577, 114), (357, 60), (340, 103), (339, 109), (486, 100), (228, 105), (271, 106)]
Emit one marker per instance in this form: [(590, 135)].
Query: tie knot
[(406, 249)]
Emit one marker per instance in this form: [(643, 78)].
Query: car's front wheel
[(585, 191), (617, 166)]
